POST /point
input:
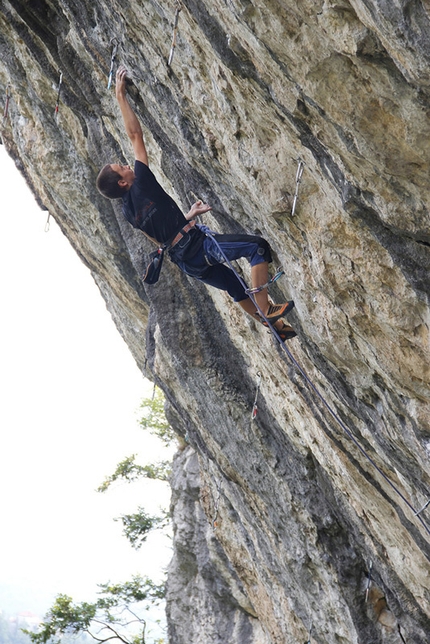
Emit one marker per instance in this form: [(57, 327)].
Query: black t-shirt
[(148, 207)]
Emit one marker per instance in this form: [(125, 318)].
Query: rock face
[(302, 514)]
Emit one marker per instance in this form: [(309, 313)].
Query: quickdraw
[(175, 31), (369, 581), (255, 407), (423, 508), (257, 289), (6, 105), (299, 175), (324, 401), (57, 105), (115, 44)]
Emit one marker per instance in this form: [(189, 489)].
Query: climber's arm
[(132, 125)]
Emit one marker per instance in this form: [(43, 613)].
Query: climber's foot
[(286, 332), (277, 311)]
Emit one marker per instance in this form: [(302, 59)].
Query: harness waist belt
[(182, 233)]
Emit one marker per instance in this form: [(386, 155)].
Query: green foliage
[(154, 419), (137, 590), (138, 525), (128, 470), (64, 617), (110, 617)]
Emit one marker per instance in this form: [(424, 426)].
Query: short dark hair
[(107, 183)]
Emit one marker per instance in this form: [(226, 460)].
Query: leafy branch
[(138, 525), (154, 418), (130, 471), (110, 617)]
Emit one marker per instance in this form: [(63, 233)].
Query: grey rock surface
[(206, 600), (252, 88)]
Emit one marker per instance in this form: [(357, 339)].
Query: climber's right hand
[(120, 82)]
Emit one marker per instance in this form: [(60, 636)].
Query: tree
[(111, 617), (154, 418), (138, 525), (128, 470)]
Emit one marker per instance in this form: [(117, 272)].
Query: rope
[(320, 396)]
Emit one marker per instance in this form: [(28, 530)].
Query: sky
[(69, 407)]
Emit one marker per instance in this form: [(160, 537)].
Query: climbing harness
[(6, 105), (255, 408), (175, 31), (423, 508), (115, 44), (369, 581), (299, 174), (57, 105), (257, 289), (319, 395)]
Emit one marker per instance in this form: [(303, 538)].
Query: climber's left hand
[(198, 208)]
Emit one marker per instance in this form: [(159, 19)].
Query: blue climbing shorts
[(208, 264), (255, 249)]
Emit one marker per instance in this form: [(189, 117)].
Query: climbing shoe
[(286, 333), (277, 311)]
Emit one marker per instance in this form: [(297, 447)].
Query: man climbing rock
[(148, 207)]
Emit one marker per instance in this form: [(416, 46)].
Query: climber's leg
[(256, 250), (250, 308)]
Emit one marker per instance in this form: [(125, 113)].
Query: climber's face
[(126, 173)]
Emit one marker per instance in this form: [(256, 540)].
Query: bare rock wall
[(252, 88)]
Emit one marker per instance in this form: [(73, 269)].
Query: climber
[(148, 207)]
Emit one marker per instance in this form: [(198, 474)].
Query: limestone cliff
[(253, 87)]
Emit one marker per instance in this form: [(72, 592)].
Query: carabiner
[(257, 289), (255, 407), (115, 44), (57, 105), (299, 175), (175, 31)]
